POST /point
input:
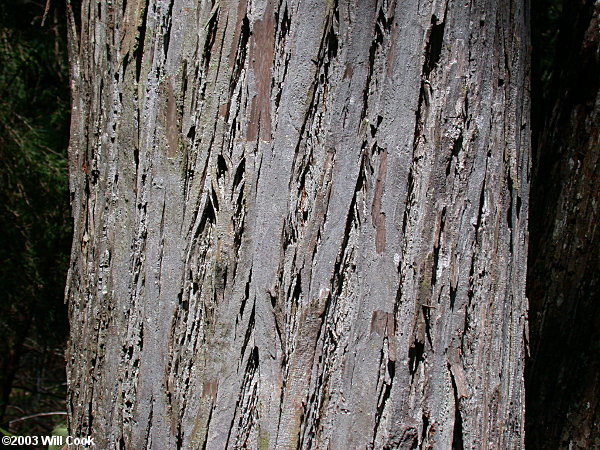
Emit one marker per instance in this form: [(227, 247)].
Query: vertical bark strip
[(299, 224), (563, 371)]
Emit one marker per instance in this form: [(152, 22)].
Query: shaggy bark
[(299, 224), (563, 372)]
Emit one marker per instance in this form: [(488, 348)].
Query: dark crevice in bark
[(167, 33), (281, 33), (456, 148), (457, 433), (340, 263), (470, 296), (147, 443), (308, 116), (424, 428), (332, 43), (381, 26), (415, 356), (230, 429), (208, 215), (453, 291), (249, 329), (239, 174), (179, 437), (138, 53), (480, 211), (240, 58), (205, 442), (327, 51), (221, 166), (509, 210), (433, 49), (426, 309), (436, 257), (310, 424), (191, 134), (385, 390), (246, 404), (375, 127), (410, 185), (211, 34), (297, 292), (246, 295), (284, 24)]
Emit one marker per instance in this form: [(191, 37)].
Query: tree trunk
[(299, 224), (564, 369)]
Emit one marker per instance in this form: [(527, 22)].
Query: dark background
[(35, 223)]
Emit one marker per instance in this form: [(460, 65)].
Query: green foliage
[(546, 30), (35, 221), (34, 214), (59, 430), (5, 433)]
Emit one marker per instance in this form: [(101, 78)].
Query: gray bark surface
[(299, 224)]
